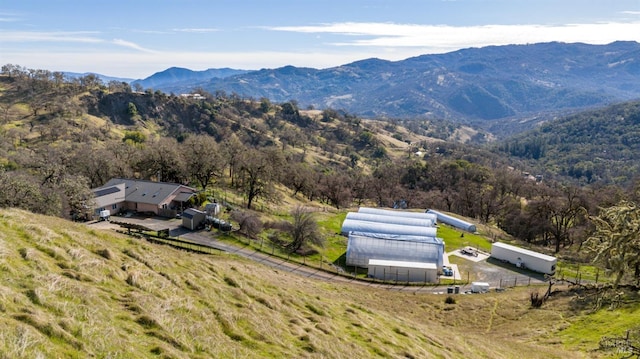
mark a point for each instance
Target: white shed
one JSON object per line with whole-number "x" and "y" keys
{"x": 401, "y": 271}
{"x": 192, "y": 218}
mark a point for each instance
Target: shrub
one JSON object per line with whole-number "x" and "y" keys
{"x": 450, "y": 300}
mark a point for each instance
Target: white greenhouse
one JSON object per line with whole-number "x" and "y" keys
{"x": 396, "y": 213}
{"x": 380, "y": 218}
{"x": 453, "y": 221}
{"x": 397, "y": 237}
{"x": 400, "y": 271}
{"x": 351, "y": 225}
{"x": 361, "y": 248}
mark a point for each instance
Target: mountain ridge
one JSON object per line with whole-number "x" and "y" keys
{"x": 477, "y": 85}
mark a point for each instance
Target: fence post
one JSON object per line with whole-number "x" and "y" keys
{"x": 500, "y": 282}
{"x": 515, "y": 281}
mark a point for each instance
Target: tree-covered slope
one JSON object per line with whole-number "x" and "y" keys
{"x": 599, "y": 145}
{"x": 476, "y": 84}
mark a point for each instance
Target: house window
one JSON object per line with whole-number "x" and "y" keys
{"x": 114, "y": 206}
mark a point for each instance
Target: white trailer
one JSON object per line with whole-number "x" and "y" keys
{"x": 524, "y": 258}
{"x": 479, "y": 287}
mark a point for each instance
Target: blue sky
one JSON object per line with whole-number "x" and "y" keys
{"x": 135, "y": 38}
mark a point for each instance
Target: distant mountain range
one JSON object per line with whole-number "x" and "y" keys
{"x": 177, "y": 79}
{"x": 104, "y": 78}
{"x": 476, "y": 85}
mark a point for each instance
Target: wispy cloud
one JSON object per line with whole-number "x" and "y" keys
{"x": 447, "y": 37}
{"x": 131, "y": 45}
{"x": 87, "y": 37}
{"x": 9, "y": 17}
{"x": 197, "y": 30}
{"x": 631, "y": 12}
{"x": 59, "y": 36}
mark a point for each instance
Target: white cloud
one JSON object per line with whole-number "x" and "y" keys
{"x": 131, "y": 45}
{"x": 59, "y": 36}
{"x": 446, "y": 37}
{"x": 197, "y": 30}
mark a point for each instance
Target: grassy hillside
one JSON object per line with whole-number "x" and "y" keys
{"x": 71, "y": 291}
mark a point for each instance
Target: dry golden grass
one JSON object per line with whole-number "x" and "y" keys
{"x": 69, "y": 291}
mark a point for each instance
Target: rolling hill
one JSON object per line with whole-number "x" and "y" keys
{"x": 71, "y": 291}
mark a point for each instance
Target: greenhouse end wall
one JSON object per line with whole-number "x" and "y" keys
{"x": 402, "y": 271}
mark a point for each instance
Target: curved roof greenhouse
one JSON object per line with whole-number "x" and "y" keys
{"x": 453, "y": 221}
{"x": 389, "y": 212}
{"x": 409, "y": 221}
{"x": 351, "y": 225}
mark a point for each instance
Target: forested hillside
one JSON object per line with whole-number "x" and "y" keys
{"x": 62, "y": 137}
{"x": 475, "y": 85}
{"x": 592, "y": 147}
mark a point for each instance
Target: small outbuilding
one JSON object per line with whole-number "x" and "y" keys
{"x": 193, "y": 219}
{"x": 401, "y": 271}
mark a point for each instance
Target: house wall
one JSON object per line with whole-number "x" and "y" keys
{"x": 144, "y": 207}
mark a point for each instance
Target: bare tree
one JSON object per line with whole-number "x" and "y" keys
{"x": 258, "y": 172}
{"x": 250, "y": 225}
{"x": 304, "y": 230}
{"x": 203, "y": 161}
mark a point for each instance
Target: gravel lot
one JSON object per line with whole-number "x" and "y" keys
{"x": 498, "y": 274}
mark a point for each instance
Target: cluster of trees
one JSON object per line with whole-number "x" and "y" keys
{"x": 593, "y": 146}
{"x": 56, "y": 154}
